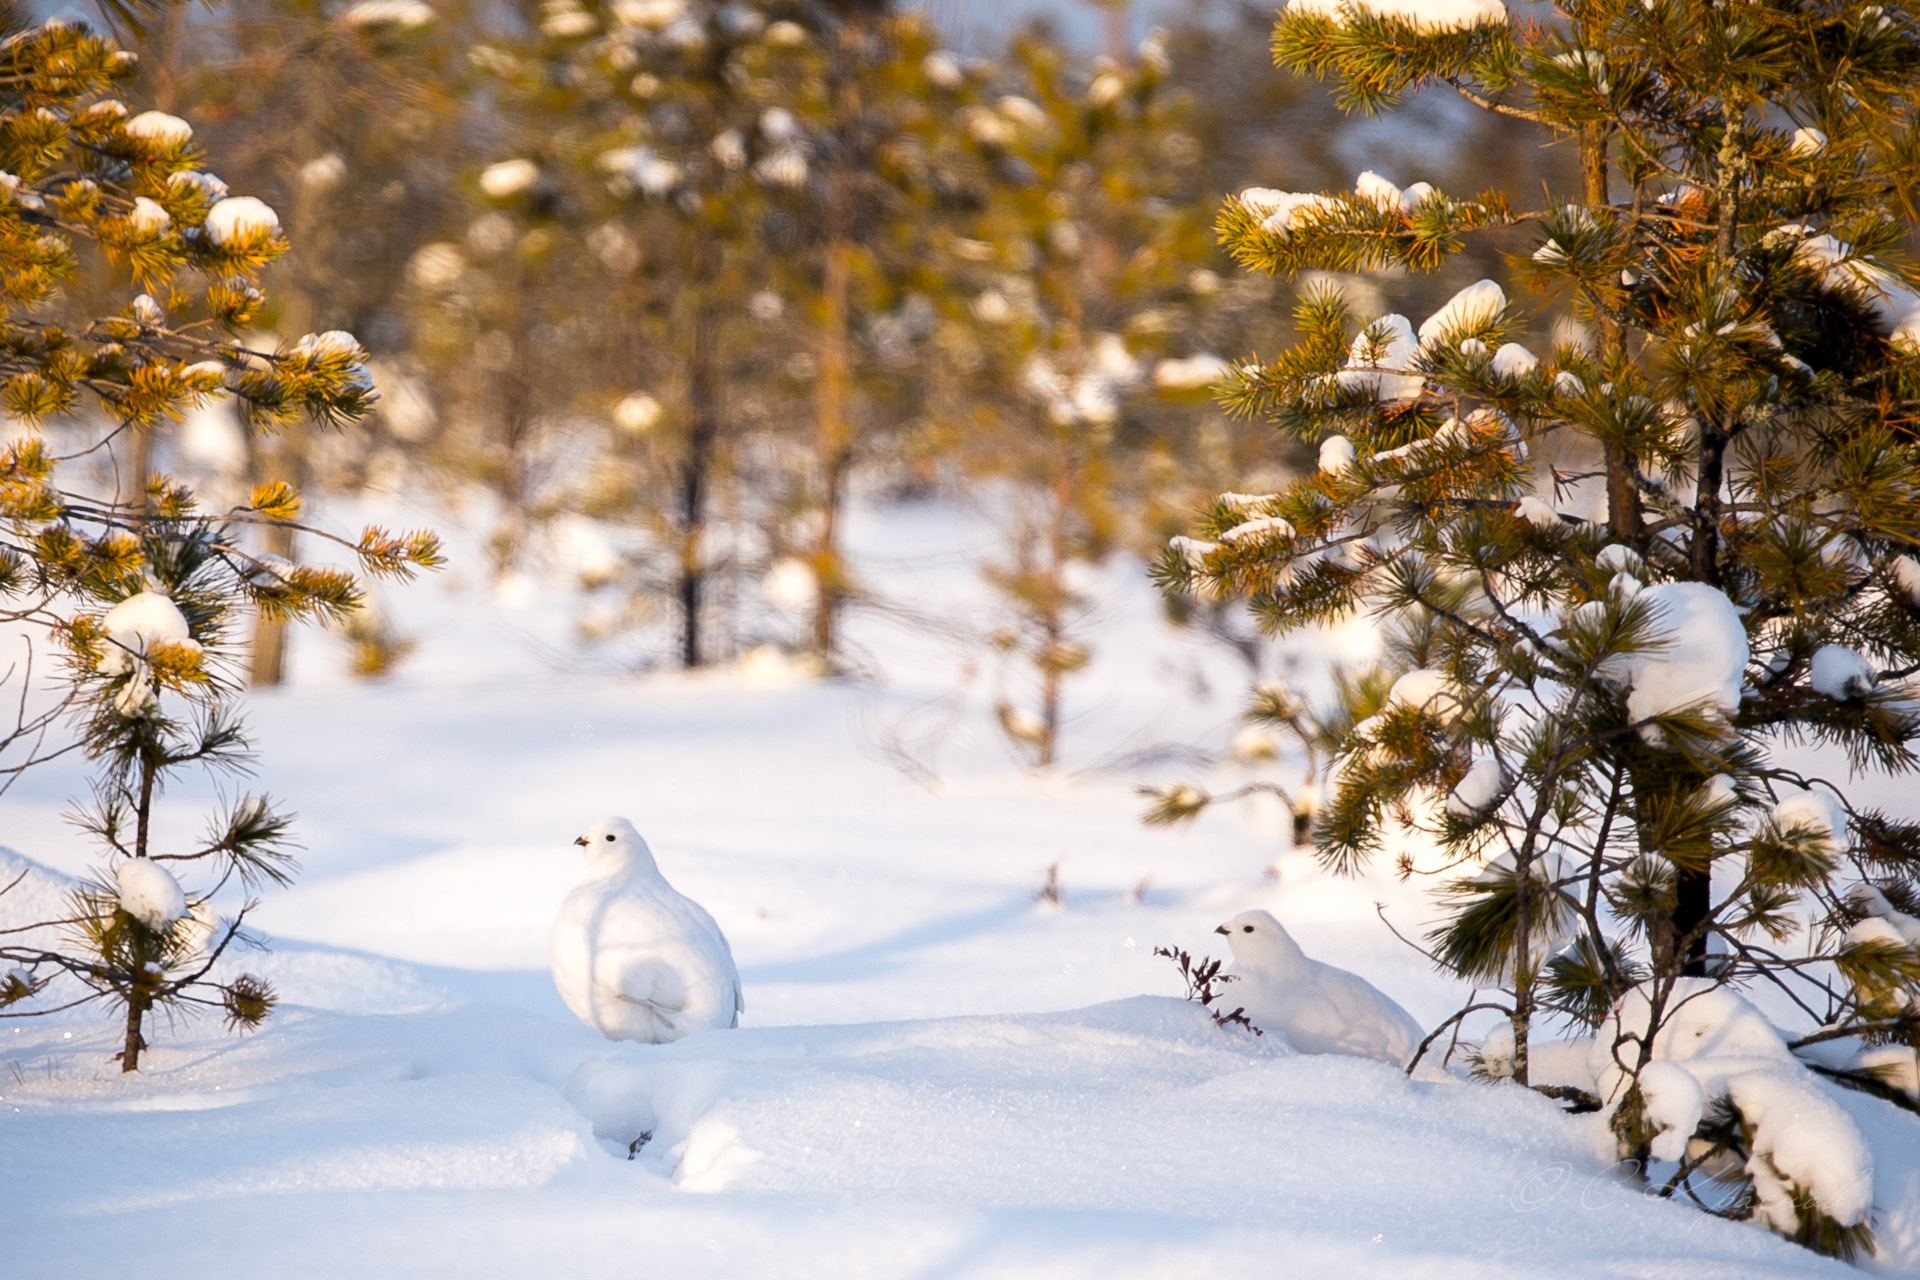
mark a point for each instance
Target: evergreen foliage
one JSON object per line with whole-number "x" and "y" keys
{"x": 1621, "y": 576}
{"x": 140, "y": 592}
{"x": 1088, "y": 263}
{"x": 787, "y": 171}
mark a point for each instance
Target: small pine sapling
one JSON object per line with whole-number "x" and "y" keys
{"x": 141, "y": 592}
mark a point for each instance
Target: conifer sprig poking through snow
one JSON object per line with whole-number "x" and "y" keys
{"x": 140, "y": 590}
{"x": 1584, "y": 716}
{"x": 1200, "y": 977}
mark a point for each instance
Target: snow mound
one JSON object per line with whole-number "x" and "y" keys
{"x": 39, "y": 894}
{"x": 1803, "y": 1143}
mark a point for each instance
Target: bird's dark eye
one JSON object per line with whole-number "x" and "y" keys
{"x": 609, "y": 835}
{"x": 1246, "y": 928}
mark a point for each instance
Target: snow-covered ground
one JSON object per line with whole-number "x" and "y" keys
{"x": 936, "y": 1075}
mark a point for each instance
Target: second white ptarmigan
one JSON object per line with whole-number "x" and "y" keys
{"x": 1320, "y": 1009}
{"x": 633, "y": 957}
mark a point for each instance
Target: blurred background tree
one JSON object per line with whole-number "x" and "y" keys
{"x": 352, "y": 122}
{"x": 680, "y": 281}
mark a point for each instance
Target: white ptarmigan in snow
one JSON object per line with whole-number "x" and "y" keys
{"x": 1320, "y": 1009}
{"x": 634, "y": 958}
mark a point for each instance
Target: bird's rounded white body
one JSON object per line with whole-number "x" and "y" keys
{"x": 632, "y": 957}
{"x": 1320, "y": 1009}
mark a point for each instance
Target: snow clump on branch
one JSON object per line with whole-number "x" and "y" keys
{"x": 1841, "y": 674}
{"x": 1428, "y": 15}
{"x": 1382, "y": 366}
{"x": 238, "y": 217}
{"x": 1473, "y": 308}
{"x": 1280, "y": 211}
{"x": 1896, "y": 307}
{"x": 1336, "y": 455}
{"x": 1371, "y": 186}
{"x": 149, "y": 893}
{"x": 1815, "y": 813}
{"x": 396, "y": 13}
{"x": 1477, "y": 790}
{"x": 158, "y": 126}
{"x": 1514, "y": 361}
{"x": 508, "y": 177}
{"x": 1537, "y": 513}
{"x": 1702, "y": 663}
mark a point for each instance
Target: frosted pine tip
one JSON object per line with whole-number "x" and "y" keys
{"x": 148, "y": 218}
{"x": 240, "y": 217}
{"x": 158, "y": 126}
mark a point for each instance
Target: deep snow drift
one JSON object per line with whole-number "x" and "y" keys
{"x": 935, "y": 1076}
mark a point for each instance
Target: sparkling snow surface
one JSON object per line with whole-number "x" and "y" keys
{"x": 935, "y": 1077}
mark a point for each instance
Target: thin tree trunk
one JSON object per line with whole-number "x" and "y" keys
{"x": 1053, "y": 622}
{"x": 835, "y": 444}
{"x": 267, "y": 666}
{"x": 703, "y": 431}
{"x": 1522, "y": 1021}
{"x": 138, "y": 1001}
{"x": 269, "y": 659}
{"x": 1623, "y": 500}
{"x": 130, "y": 1052}
{"x": 1693, "y": 890}
{"x": 133, "y": 485}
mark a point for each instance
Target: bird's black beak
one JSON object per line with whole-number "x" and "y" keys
{"x": 1221, "y": 929}
{"x": 582, "y": 842}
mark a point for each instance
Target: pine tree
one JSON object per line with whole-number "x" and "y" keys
{"x": 876, "y": 103}
{"x": 1622, "y": 578}
{"x": 139, "y": 592}
{"x": 349, "y": 123}
{"x": 1089, "y": 259}
{"x": 779, "y": 176}
{"x": 661, "y": 123}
